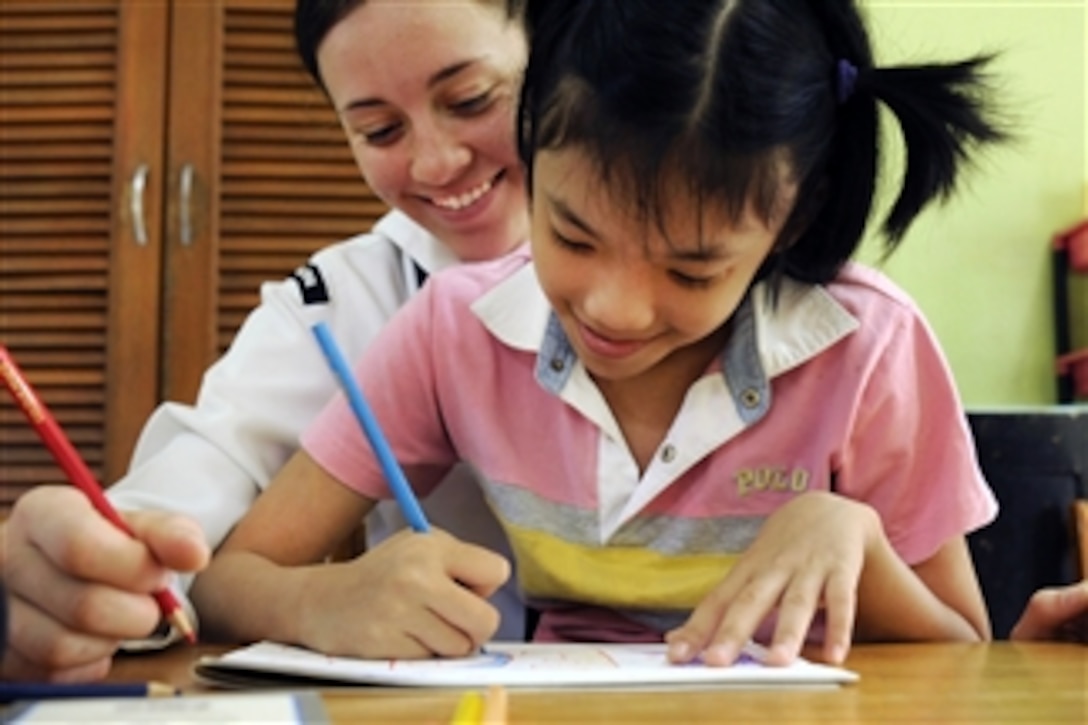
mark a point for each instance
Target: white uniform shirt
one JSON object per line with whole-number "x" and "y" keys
{"x": 211, "y": 460}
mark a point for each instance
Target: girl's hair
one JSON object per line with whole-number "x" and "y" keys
{"x": 735, "y": 97}
{"x": 315, "y": 18}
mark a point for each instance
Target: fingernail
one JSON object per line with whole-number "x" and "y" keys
{"x": 784, "y": 652}
{"x": 720, "y": 654}
{"x": 679, "y": 651}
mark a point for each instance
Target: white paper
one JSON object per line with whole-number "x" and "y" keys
{"x": 257, "y": 708}
{"x": 521, "y": 664}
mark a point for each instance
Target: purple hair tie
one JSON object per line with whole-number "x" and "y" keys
{"x": 846, "y": 79}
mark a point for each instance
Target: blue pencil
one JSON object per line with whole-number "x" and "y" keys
{"x": 406, "y": 498}
{"x": 15, "y": 691}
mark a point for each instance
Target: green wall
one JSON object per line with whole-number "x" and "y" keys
{"x": 979, "y": 266}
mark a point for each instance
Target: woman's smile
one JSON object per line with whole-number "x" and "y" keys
{"x": 465, "y": 199}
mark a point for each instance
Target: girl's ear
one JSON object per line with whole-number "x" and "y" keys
{"x": 793, "y": 249}
{"x": 804, "y": 213}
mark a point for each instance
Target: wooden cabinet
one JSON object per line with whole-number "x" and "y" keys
{"x": 158, "y": 160}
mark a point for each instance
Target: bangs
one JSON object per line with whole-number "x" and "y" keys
{"x": 644, "y": 162}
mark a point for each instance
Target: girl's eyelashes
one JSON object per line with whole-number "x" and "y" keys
{"x": 689, "y": 281}
{"x": 570, "y": 244}
{"x": 683, "y": 279}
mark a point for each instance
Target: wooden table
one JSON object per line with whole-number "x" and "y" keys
{"x": 998, "y": 682}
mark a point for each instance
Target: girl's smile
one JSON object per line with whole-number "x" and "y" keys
{"x": 601, "y": 345}
{"x": 636, "y": 297}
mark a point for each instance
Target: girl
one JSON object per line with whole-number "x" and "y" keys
{"x": 697, "y": 420}
{"x": 426, "y": 92}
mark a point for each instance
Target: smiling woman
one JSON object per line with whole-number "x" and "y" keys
{"x": 432, "y": 132}
{"x": 425, "y": 90}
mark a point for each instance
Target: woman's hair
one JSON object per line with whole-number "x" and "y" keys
{"x": 313, "y": 21}
{"x": 315, "y": 18}
{"x": 736, "y": 97}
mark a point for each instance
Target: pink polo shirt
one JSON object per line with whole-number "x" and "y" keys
{"x": 836, "y": 388}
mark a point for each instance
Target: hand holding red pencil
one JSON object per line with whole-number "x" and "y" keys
{"x": 77, "y": 472}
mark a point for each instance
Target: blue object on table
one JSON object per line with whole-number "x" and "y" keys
{"x": 18, "y": 691}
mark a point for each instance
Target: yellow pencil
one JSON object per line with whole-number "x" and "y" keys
{"x": 469, "y": 709}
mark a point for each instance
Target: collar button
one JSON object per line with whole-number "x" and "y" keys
{"x": 668, "y": 453}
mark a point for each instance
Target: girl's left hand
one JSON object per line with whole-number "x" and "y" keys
{"x": 808, "y": 555}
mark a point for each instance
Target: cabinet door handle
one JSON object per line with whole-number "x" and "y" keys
{"x": 185, "y": 201}
{"x": 137, "y": 187}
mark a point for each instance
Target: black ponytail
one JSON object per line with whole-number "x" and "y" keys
{"x": 722, "y": 92}
{"x": 943, "y": 114}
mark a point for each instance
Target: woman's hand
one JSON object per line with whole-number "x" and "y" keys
{"x": 78, "y": 585}
{"x": 808, "y": 556}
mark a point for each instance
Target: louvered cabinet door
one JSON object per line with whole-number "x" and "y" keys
{"x": 80, "y": 181}
{"x": 260, "y": 175}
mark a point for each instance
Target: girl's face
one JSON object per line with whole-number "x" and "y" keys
{"x": 632, "y": 299}
{"x": 426, "y": 92}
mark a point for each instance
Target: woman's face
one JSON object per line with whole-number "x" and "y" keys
{"x": 426, "y": 92}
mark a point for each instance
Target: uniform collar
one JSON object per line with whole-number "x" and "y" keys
{"x": 767, "y": 340}
{"x": 420, "y": 245}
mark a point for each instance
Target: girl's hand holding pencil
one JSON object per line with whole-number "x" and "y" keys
{"x": 418, "y": 594}
{"x": 437, "y": 585}
{"x": 412, "y": 596}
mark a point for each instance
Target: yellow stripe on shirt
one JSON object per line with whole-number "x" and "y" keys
{"x": 619, "y": 577}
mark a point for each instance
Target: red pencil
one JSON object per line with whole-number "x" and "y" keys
{"x": 78, "y": 473}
